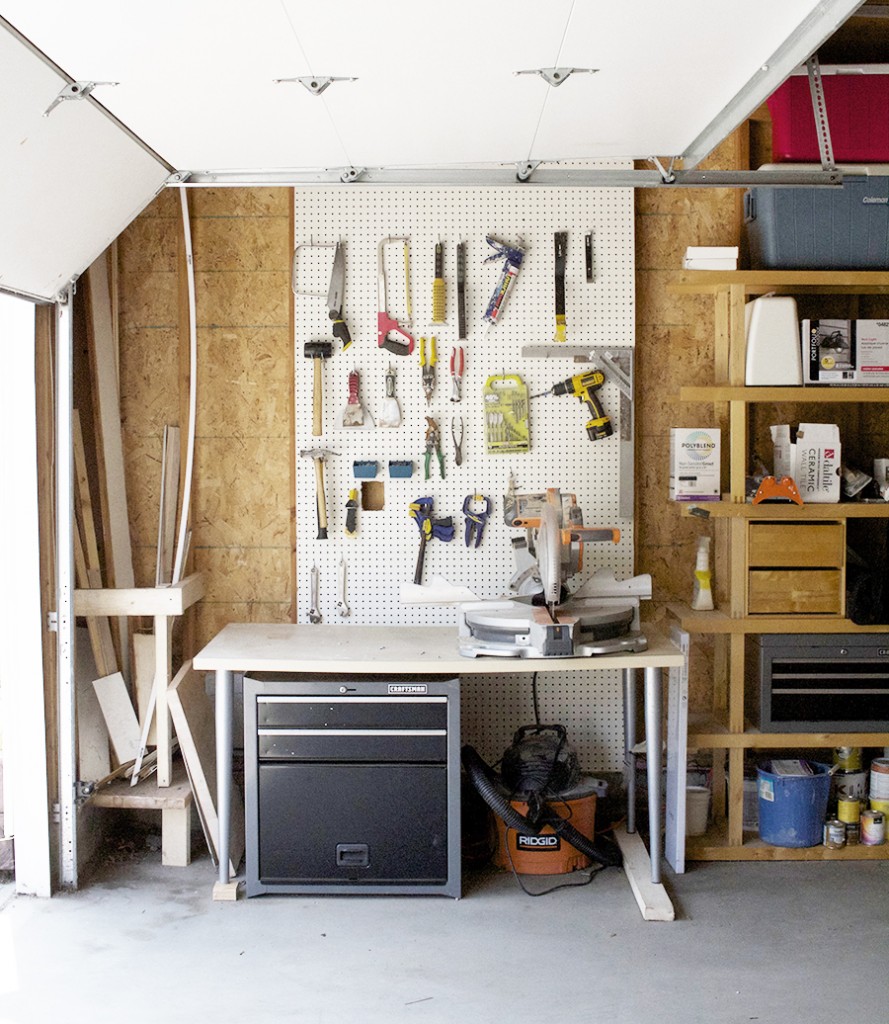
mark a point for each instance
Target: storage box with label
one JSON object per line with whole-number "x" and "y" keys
{"x": 845, "y": 352}
{"x": 694, "y": 464}
{"x": 817, "y": 462}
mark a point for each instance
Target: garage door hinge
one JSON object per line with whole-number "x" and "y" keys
{"x": 52, "y": 622}
{"x": 74, "y": 91}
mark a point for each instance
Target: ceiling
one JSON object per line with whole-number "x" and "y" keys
{"x": 198, "y": 91}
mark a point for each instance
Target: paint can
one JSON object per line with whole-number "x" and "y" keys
{"x": 873, "y": 828}
{"x": 879, "y": 805}
{"x": 849, "y": 809}
{"x": 847, "y": 758}
{"x": 850, "y": 785}
{"x": 853, "y": 833}
{"x": 879, "y": 778}
{"x": 834, "y": 834}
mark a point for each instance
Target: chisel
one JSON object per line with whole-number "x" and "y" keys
{"x": 561, "y": 251}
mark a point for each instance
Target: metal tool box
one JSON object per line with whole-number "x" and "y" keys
{"x": 818, "y": 683}
{"x": 352, "y": 785}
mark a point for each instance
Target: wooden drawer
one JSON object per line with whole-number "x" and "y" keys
{"x": 795, "y": 592}
{"x": 797, "y": 545}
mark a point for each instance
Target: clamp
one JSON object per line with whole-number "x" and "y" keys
{"x": 475, "y": 518}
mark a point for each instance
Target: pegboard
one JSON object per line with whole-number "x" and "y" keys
{"x": 383, "y": 554}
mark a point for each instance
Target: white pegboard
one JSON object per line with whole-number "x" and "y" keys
{"x": 383, "y": 555}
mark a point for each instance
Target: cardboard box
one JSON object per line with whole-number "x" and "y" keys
{"x": 845, "y": 352}
{"x": 694, "y": 464}
{"x": 817, "y": 462}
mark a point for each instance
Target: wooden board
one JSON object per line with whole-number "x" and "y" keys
{"x": 143, "y": 673}
{"x": 169, "y": 500}
{"x": 120, "y": 718}
{"x": 651, "y": 896}
{"x": 93, "y": 752}
{"x": 193, "y": 717}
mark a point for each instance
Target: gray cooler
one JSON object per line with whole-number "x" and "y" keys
{"x": 843, "y": 228}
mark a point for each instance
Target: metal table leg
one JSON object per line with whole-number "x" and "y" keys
{"x": 224, "y": 769}
{"x": 653, "y": 746}
{"x": 629, "y": 743}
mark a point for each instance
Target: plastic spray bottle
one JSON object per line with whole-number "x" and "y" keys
{"x": 702, "y": 596}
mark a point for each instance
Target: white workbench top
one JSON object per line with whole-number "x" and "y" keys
{"x": 276, "y": 647}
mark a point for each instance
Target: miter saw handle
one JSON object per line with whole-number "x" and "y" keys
{"x": 588, "y": 534}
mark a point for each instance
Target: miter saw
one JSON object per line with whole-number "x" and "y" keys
{"x": 540, "y": 619}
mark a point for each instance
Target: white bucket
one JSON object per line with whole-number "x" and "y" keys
{"x": 697, "y": 810}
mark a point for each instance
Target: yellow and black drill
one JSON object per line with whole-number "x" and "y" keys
{"x": 584, "y": 386}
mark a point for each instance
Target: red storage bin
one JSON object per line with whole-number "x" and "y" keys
{"x": 857, "y": 103}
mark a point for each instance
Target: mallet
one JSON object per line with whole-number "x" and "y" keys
{"x": 316, "y": 351}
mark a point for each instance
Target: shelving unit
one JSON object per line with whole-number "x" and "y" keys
{"x": 725, "y": 728}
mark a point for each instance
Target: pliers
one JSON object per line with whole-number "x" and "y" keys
{"x": 475, "y": 518}
{"x": 433, "y": 444}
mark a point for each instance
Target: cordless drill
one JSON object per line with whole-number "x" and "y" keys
{"x": 584, "y": 387}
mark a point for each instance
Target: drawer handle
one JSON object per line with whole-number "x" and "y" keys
{"x": 352, "y": 732}
{"x": 839, "y": 692}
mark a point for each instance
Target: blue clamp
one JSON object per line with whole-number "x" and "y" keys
{"x": 475, "y": 518}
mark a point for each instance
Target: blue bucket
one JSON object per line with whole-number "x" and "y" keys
{"x": 792, "y": 808}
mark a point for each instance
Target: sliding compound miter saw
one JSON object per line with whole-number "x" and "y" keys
{"x": 541, "y": 620}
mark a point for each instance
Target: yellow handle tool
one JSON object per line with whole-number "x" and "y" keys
{"x": 439, "y": 294}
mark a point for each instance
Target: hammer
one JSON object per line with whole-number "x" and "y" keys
{"x": 316, "y": 351}
{"x": 318, "y": 455}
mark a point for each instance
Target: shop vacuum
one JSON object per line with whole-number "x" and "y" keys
{"x": 545, "y": 805}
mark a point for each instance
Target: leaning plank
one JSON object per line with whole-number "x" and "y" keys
{"x": 100, "y": 334}
{"x": 166, "y": 528}
{"x": 123, "y": 726}
{"x": 93, "y": 752}
{"x": 143, "y": 675}
{"x": 86, "y": 554}
{"x": 192, "y": 713}
{"x": 651, "y": 896}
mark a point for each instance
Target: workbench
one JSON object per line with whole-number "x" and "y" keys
{"x": 418, "y": 651}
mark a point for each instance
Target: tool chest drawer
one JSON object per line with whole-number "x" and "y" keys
{"x": 796, "y": 568}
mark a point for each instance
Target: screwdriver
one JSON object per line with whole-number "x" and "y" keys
{"x": 439, "y": 300}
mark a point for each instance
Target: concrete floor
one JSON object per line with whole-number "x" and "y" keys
{"x": 775, "y": 943}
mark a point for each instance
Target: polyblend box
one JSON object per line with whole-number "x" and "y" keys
{"x": 694, "y": 464}
{"x": 845, "y": 352}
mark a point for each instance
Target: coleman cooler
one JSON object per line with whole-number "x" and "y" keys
{"x": 829, "y": 228}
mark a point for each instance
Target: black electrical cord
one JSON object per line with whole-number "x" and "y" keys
{"x": 534, "y": 700}
{"x": 587, "y": 875}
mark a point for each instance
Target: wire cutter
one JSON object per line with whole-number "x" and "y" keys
{"x": 427, "y": 364}
{"x": 458, "y": 444}
{"x": 476, "y": 518}
{"x": 433, "y": 444}
{"x": 457, "y": 362}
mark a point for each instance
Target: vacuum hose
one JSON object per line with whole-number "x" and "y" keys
{"x": 485, "y": 781}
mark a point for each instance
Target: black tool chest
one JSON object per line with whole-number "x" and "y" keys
{"x": 352, "y": 784}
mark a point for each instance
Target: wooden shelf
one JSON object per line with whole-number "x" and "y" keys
{"x": 820, "y": 393}
{"x": 711, "y": 733}
{"x": 714, "y": 845}
{"x": 826, "y": 282}
{"x": 717, "y": 622}
{"x": 726, "y": 509}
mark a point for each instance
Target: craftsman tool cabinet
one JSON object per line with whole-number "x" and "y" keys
{"x": 352, "y": 785}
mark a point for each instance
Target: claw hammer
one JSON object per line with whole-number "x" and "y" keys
{"x": 318, "y": 455}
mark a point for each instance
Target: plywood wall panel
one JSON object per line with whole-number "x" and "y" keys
{"x": 148, "y": 299}
{"x": 149, "y": 244}
{"x": 211, "y": 616}
{"x": 241, "y": 202}
{"x": 244, "y": 575}
{"x": 241, "y": 244}
{"x": 149, "y": 379}
{"x": 248, "y": 373}
{"x": 243, "y": 299}
{"x": 241, "y": 496}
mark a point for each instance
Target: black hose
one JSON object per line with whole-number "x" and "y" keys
{"x": 485, "y": 781}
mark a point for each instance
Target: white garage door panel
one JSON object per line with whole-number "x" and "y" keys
{"x": 71, "y": 182}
